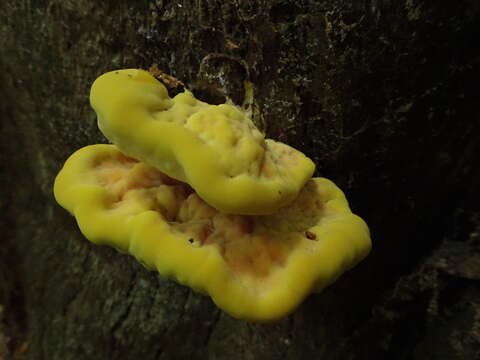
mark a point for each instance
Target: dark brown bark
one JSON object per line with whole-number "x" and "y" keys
{"x": 383, "y": 95}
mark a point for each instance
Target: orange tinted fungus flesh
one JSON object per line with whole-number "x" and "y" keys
{"x": 257, "y": 268}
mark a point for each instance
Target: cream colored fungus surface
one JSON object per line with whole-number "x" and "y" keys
{"x": 250, "y": 245}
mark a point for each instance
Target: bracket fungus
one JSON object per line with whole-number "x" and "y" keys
{"x": 254, "y": 267}
{"x": 197, "y": 193}
{"x": 216, "y": 149}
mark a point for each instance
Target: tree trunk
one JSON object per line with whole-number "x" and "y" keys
{"x": 382, "y": 95}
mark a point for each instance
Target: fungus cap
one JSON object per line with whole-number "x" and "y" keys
{"x": 257, "y": 268}
{"x": 215, "y": 148}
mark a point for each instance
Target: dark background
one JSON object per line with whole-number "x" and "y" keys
{"x": 382, "y": 94}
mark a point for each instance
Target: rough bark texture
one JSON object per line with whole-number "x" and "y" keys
{"x": 382, "y": 94}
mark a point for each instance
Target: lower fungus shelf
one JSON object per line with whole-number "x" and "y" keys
{"x": 254, "y": 267}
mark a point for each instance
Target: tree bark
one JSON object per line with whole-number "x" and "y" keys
{"x": 382, "y": 95}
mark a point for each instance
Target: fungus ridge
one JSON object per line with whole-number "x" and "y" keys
{"x": 216, "y": 149}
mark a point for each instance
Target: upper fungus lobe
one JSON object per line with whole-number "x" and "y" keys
{"x": 216, "y": 149}
{"x": 254, "y": 267}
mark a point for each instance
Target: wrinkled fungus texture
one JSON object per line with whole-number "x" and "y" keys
{"x": 215, "y": 148}
{"x": 257, "y": 268}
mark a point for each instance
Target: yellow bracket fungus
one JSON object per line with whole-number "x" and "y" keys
{"x": 254, "y": 267}
{"x": 216, "y": 149}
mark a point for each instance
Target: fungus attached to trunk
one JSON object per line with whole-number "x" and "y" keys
{"x": 254, "y": 267}
{"x": 216, "y": 149}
